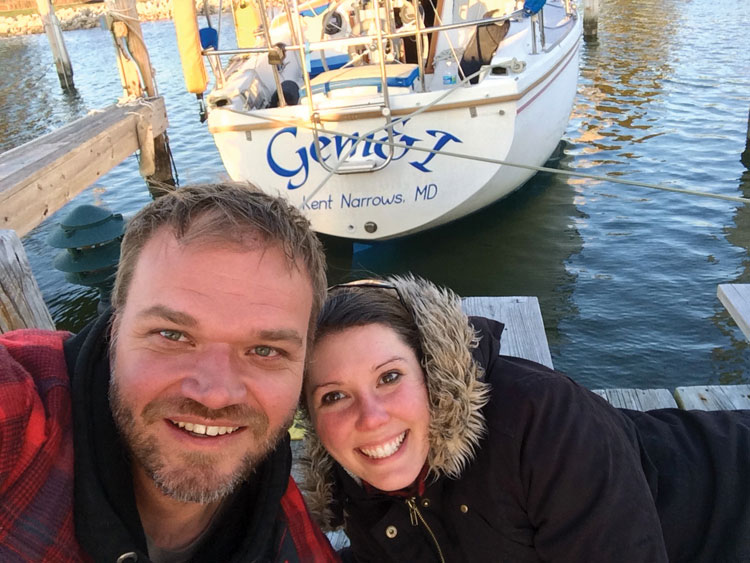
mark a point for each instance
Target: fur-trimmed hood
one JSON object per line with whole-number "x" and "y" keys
{"x": 455, "y": 388}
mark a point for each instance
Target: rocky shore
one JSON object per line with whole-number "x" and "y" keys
{"x": 84, "y": 17}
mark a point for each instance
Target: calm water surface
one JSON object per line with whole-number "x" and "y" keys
{"x": 626, "y": 277}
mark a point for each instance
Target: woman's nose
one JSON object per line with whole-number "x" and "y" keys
{"x": 372, "y": 413}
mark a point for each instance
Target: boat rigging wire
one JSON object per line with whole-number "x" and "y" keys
{"x": 570, "y": 173}
{"x": 313, "y": 125}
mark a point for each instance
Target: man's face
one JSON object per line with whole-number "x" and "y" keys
{"x": 208, "y": 362}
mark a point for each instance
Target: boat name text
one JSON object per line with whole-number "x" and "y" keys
{"x": 336, "y": 145}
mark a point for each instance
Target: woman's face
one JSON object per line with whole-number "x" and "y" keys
{"x": 368, "y": 401}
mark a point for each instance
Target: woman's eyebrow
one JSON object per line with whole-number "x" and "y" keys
{"x": 388, "y": 361}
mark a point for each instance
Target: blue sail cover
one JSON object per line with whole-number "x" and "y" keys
{"x": 532, "y": 6}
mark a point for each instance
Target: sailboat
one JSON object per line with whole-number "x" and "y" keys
{"x": 382, "y": 118}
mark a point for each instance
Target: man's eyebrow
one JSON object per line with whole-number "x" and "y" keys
{"x": 282, "y": 334}
{"x": 168, "y": 314}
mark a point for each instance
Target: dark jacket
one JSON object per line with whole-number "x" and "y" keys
{"x": 557, "y": 474}
{"x": 266, "y": 519}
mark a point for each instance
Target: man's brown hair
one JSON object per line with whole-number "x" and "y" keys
{"x": 234, "y": 213}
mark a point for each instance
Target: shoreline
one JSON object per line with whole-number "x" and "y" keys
{"x": 87, "y": 17}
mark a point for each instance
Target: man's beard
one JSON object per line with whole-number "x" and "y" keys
{"x": 192, "y": 475}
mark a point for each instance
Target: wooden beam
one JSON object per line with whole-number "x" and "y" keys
{"x": 736, "y": 298}
{"x": 155, "y": 163}
{"x": 38, "y": 178}
{"x": 638, "y": 399}
{"x": 21, "y": 302}
{"x": 713, "y": 397}
{"x": 524, "y": 335}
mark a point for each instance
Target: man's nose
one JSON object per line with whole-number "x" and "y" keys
{"x": 371, "y": 413}
{"x": 216, "y": 379}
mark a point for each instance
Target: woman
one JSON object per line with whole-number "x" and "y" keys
{"x": 432, "y": 447}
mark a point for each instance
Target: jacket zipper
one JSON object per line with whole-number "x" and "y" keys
{"x": 416, "y": 517}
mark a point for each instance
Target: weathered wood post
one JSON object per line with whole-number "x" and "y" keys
{"x": 156, "y": 164}
{"x": 54, "y": 36}
{"x": 21, "y": 303}
{"x": 590, "y": 19}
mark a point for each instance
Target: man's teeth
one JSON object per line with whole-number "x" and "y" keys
{"x": 384, "y": 450}
{"x": 205, "y": 430}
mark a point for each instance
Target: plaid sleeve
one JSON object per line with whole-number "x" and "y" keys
{"x": 312, "y": 545}
{"x": 36, "y": 449}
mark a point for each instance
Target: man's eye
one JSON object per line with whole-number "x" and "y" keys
{"x": 331, "y": 397}
{"x": 265, "y": 351}
{"x": 390, "y": 377}
{"x": 173, "y": 335}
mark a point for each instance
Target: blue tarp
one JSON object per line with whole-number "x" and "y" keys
{"x": 533, "y": 6}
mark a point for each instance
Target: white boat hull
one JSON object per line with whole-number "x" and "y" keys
{"x": 518, "y": 120}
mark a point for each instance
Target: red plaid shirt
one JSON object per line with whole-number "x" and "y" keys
{"x": 36, "y": 459}
{"x": 36, "y": 449}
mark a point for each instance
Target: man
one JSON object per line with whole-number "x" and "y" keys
{"x": 176, "y": 448}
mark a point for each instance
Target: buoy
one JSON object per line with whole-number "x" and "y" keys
{"x": 189, "y": 45}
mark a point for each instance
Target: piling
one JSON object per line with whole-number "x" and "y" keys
{"x": 590, "y": 19}
{"x": 54, "y": 36}
{"x": 21, "y": 303}
{"x": 137, "y": 77}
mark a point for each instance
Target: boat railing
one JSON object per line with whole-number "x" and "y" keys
{"x": 380, "y": 38}
{"x": 364, "y": 39}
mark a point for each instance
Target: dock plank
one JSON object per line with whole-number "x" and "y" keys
{"x": 736, "y": 298}
{"x": 39, "y": 177}
{"x": 713, "y": 397}
{"x": 638, "y": 399}
{"x": 524, "y": 335}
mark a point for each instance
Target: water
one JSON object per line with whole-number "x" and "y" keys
{"x": 626, "y": 277}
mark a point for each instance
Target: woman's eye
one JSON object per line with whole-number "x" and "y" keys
{"x": 390, "y": 377}
{"x": 331, "y": 397}
{"x": 173, "y": 335}
{"x": 265, "y": 351}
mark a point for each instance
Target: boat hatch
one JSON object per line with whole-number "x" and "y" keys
{"x": 364, "y": 80}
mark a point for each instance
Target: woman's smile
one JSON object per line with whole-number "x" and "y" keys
{"x": 385, "y": 450}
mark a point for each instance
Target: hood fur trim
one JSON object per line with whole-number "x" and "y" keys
{"x": 455, "y": 389}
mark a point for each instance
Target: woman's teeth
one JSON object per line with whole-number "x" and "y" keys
{"x": 384, "y": 450}
{"x": 205, "y": 430}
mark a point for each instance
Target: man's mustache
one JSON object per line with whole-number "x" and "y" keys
{"x": 234, "y": 415}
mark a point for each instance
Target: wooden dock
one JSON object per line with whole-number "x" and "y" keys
{"x": 39, "y": 177}
{"x": 524, "y": 337}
